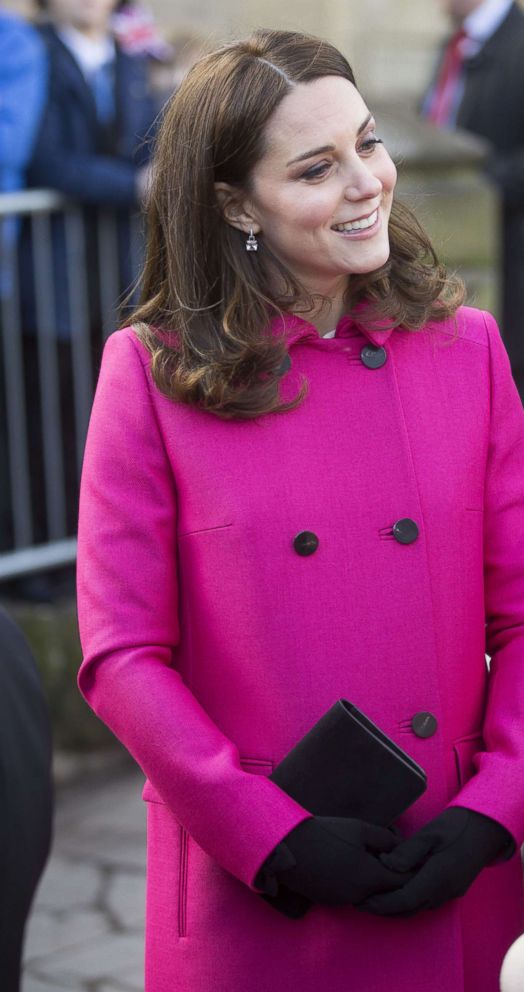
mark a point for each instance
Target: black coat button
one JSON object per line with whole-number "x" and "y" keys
{"x": 405, "y": 531}
{"x": 424, "y": 724}
{"x": 373, "y": 357}
{"x": 305, "y": 543}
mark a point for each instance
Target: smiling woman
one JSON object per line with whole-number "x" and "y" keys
{"x": 303, "y": 482}
{"x": 271, "y": 137}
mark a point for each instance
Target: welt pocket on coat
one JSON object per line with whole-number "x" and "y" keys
{"x": 257, "y": 766}
{"x": 465, "y": 748}
{"x": 180, "y": 853}
{"x": 204, "y": 530}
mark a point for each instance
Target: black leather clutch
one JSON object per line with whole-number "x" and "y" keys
{"x": 346, "y": 766}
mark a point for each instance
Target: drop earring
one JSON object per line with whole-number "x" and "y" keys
{"x": 251, "y": 242}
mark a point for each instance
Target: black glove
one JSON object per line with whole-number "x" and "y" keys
{"x": 448, "y": 852}
{"x": 331, "y": 860}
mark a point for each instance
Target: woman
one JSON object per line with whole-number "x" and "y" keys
{"x": 304, "y": 481}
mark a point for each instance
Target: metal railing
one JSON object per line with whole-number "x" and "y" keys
{"x": 64, "y": 269}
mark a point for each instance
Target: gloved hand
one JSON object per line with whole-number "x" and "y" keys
{"x": 448, "y": 854}
{"x": 335, "y": 860}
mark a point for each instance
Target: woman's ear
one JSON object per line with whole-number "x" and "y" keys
{"x": 235, "y": 208}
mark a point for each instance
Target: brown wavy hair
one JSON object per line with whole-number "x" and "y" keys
{"x": 198, "y": 280}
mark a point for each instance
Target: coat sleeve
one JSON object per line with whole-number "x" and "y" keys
{"x": 127, "y": 609}
{"x": 496, "y": 790}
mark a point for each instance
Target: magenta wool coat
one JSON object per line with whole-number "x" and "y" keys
{"x": 211, "y": 645}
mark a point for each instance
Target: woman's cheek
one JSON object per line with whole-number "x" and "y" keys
{"x": 390, "y": 179}
{"x": 315, "y": 212}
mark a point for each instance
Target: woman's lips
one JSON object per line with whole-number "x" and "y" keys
{"x": 361, "y": 234}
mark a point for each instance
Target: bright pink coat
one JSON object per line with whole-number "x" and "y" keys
{"x": 211, "y": 646}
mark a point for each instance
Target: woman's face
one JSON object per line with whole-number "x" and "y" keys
{"x": 321, "y": 194}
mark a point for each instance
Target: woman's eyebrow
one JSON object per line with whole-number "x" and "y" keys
{"x": 326, "y": 148}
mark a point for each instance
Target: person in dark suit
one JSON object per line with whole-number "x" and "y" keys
{"x": 92, "y": 146}
{"x": 93, "y": 142}
{"x": 479, "y": 86}
{"x": 25, "y": 794}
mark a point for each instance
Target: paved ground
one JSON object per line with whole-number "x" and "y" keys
{"x": 85, "y": 933}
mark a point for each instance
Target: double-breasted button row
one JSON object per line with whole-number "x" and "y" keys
{"x": 405, "y": 531}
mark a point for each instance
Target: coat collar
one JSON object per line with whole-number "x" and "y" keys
{"x": 295, "y": 328}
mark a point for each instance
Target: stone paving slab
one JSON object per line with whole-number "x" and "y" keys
{"x": 67, "y": 885}
{"x": 125, "y": 900}
{"x": 48, "y": 933}
{"x": 30, "y": 984}
{"x": 93, "y": 961}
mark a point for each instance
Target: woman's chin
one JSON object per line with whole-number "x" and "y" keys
{"x": 369, "y": 262}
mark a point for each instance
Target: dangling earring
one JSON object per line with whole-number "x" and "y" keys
{"x": 251, "y": 242}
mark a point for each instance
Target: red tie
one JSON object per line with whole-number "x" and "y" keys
{"x": 445, "y": 90}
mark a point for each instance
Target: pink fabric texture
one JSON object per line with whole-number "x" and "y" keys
{"x": 211, "y": 646}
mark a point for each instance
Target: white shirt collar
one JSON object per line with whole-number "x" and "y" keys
{"x": 330, "y": 334}
{"x": 89, "y": 54}
{"x": 484, "y": 21}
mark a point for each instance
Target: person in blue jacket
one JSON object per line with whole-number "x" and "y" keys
{"x": 23, "y": 89}
{"x": 23, "y": 84}
{"x": 92, "y": 141}
{"x": 94, "y": 146}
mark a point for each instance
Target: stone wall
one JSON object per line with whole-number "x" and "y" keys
{"x": 390, "y": 44}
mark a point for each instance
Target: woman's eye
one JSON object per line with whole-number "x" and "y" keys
{"x": 317, "y": 171}
{"x": 370, "y": 144}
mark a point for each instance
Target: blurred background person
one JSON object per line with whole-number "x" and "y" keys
{"x": 23, "y": 82}
{"x": 479, "y": 86}
{"x": 23, "y": 87}
{"x": 137, "y": 32}
{"x": 92, "y": 145}
{"x": 26, "y": 794}
{"x": 170, "y": 59}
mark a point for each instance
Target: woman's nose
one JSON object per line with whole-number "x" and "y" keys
{"x": 362, "y": 183}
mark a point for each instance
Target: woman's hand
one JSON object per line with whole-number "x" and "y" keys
{"x": 448, "y": 854}
{"x": 336, "y": 860}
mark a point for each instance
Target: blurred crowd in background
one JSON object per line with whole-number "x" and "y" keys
{"x": 82, "y": 89}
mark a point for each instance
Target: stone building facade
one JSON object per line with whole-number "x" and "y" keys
{"x": 390, "y": 43}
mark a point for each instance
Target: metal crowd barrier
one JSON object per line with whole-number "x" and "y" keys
{"x": 30, "y": 214}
